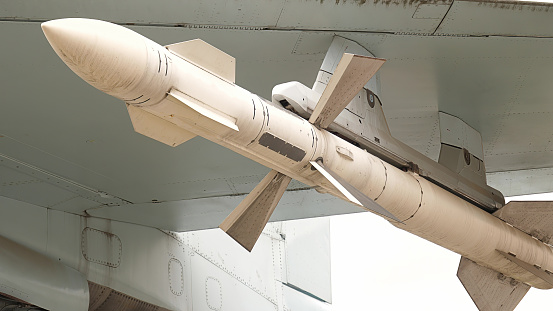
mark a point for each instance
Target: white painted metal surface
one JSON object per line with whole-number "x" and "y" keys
{"x": 247, "y": 220}
{"x": 206, "y": 56}
{"x": 157, "y": 128}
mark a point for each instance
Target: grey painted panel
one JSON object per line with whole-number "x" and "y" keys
{"x": 497, "y": 85}
{"x": 388, "y": 16}
{"x": 145, "y": 254}
{"x": 189, "y": 215}
{"x": 211, "y": 12}
{"x": 64, "y": 237}
{"x": 350, "y": 15}
{"x": 31, "y": 190}
{"x": 214, "y": 289}
{"x": 309, "y": 273}
{"x": 143, "y": 271}
{"x": 522, "y": 182}
{"x": 505, "y": 18}
{"x": 37, "y": 279}
{"x": 30, "y": 184}
{"x": 33, "y": 234}
{"x": 256, "y": 270}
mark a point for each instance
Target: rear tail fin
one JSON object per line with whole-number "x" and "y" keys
{"x": 534, "y": 218}
{"x": 489, "y": 289}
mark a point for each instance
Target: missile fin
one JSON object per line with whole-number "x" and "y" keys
{"x": 545, "y": 275}
{"x": 203, "y": 109}
{"x": 534, "y": 218}
{"x": 489, "y": 289}
{"x": 246, "y": 222}
{"x": 206, "y": 56}
{"x": 157, "y": 128}
{"x": 351, "y": 74}
{"x": 351, "y": 193}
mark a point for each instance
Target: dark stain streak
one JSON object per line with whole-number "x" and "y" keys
{"x": 264, "y": 115}
{"x": 166, "y": 64}
{"x": 159, "y": 66}
{"x": 404, "y": 3}
{"x": 142, "y": 102}
{"x": 131, "y": 100}
{"x": 515, "y": 5}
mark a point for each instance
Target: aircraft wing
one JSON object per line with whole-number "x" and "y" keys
{"x": 66, "y": 146}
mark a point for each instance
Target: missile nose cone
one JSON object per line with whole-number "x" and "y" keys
{"x": 53, "y": 29}
{"x": 110, "y": 57}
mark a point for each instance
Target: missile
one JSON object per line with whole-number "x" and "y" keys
{"x": 176, "y": 92}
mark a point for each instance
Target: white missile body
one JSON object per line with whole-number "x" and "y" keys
{"x": 172, "y": 95}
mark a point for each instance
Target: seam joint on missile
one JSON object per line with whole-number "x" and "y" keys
{"x": 385, "y": 180}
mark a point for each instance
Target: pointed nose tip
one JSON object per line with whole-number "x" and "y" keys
{"x": 49, "y": 26}
{"x": 67, "y": 33}
{"x": 57, "y": 32}
{"x": 108, "y": 56}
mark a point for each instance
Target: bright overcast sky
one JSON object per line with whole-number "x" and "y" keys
{"x": 376, "y": 266}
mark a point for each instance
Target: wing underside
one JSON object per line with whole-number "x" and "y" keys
{"x": 66, "y": 146}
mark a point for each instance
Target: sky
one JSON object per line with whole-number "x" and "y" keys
{"x": 376, "y": 266}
